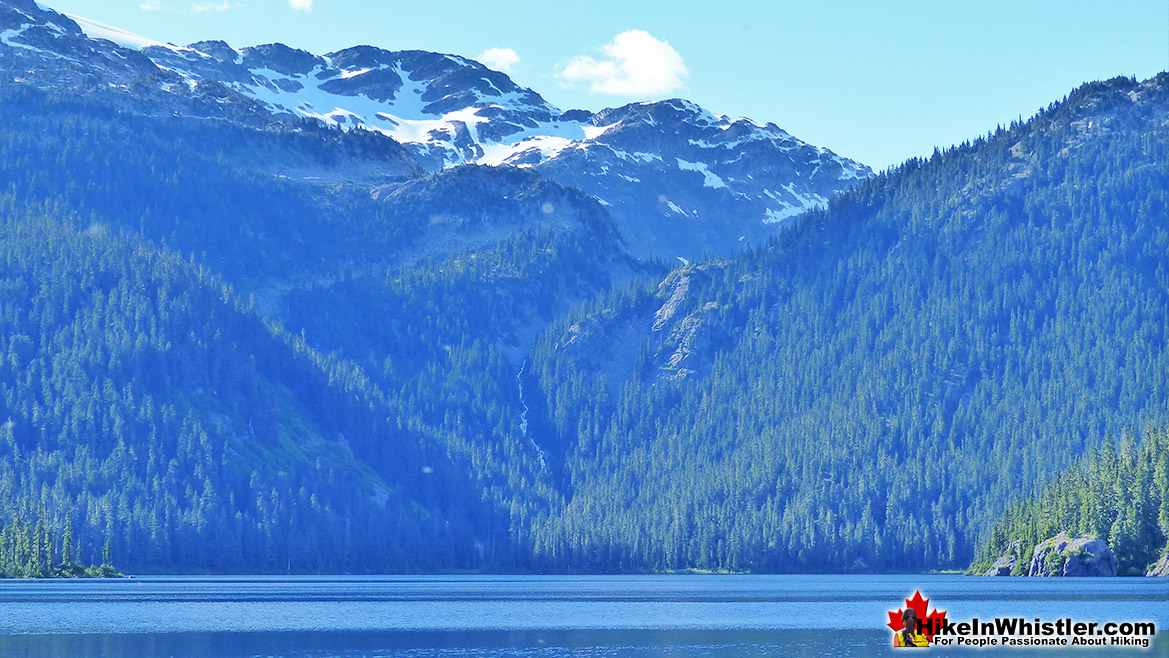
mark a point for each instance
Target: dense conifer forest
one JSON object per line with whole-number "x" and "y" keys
{"x": 147, "y": 407}
{"x": 1120, "y": 495}
{"x": 873, "y": 389}
{"x": 274, "y": 348}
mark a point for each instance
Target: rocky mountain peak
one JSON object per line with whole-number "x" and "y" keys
{"x": 678, "y": 179}
{"x": 218, "y": 50}
{"x": 281, "y": 59}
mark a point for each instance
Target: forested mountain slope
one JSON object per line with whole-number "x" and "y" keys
{"x": 424, "y": 291}
{"x": 871, "y": 390}
{"x": 145, "y": 404}
{"x": 230, "y": 340}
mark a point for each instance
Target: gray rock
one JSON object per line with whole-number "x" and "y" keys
{"x": 282, "y": 59}
{"x": 1002, "y": 566}
{"x": 1160, "y": 568}
{"x": 1072, "y": 556}
{"x": 380, "y": 85}
{"x": 1005, "y": 565}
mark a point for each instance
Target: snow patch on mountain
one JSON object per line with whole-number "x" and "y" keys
{"x": 674, "y": 208}
{"x": 7, "y": 35}
{"x": 710, "y": 179}
{"x": 527, "y": 130}
{"x": 647, "y": 162}
{"x": 772, "y": 216}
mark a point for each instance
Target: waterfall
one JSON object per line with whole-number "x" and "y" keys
{"x": 519, "y": 380}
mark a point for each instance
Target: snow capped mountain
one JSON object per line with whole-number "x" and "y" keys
{"x": 681, "y": 181}
{"x": 677, "y": 179}
{"x": 445, "y": 108}
{"x": 39, "y": 46}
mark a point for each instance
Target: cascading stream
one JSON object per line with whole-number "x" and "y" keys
{"x": 519, "y": 380}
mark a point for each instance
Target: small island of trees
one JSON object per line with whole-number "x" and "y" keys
{"x": 29, "y": 550}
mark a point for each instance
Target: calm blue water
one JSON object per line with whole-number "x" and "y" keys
{"x": 535, "y": 616}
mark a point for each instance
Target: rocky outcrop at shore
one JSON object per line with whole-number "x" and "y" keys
{"x": 1160, "y": 568}
{"x": 1072, "y": 556}
{"x": 1005, "y": 565}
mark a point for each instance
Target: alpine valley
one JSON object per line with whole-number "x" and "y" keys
{"x": 263, "y": 310}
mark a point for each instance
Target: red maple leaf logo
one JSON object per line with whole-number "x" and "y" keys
{"x": 929, "y": 624}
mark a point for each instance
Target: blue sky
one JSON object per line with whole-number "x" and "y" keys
{"x": 875, "y": 81}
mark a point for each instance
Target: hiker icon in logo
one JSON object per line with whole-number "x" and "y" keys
{"x": 912, "y": 627}
{"x": 909, "y": 636}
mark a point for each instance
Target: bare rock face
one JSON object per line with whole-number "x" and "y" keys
{"x": 1002, "y": 566}
{"x": 1160, "y": 568}
{"x": 1005, "y": 565}
{"x": 1072, "y": 556}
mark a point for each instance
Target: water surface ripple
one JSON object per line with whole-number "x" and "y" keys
{"x": 533, "y": 616}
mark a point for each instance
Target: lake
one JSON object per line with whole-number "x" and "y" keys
{"x": 536, "y": 616}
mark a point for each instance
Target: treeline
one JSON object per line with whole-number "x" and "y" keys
{"x": 377, "y": 419}
{"x": 1120, "y": 496}
{"x": 35, "y": 551}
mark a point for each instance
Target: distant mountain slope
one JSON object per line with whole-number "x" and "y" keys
{"x": 872, "y": 390}
{"x": 316, "y": 202}
{"x": 678, "y": 180}
{"x": 422, "y": 293}
{"x": 412, "y": 283}
{"x": 299, "y": 195}
{"x": 143, "y": 402}
{"x": 42, "y": 49}
{"x": 225, "y": 324}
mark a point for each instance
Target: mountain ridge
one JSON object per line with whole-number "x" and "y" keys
{"x": 449, "y": 110}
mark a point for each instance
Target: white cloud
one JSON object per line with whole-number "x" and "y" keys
{"x": 155, "y": 5}
{"x": 300, "y": 5}
{"x": 213, "y": 7}
{"x": 635, "y": 64}
{"x": 500, "y": 59}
